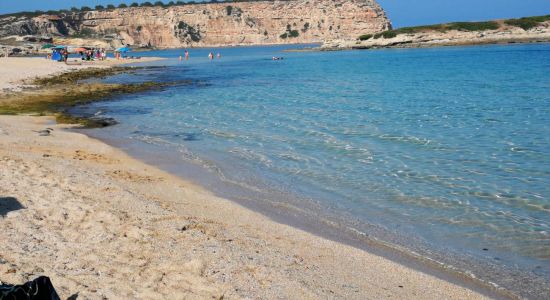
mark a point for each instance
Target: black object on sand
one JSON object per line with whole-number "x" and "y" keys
{"x": 39, "y": 289}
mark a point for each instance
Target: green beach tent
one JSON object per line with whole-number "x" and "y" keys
{"x": 48, "y": 46}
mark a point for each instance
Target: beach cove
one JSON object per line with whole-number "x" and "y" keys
{"x": 101, "y": 224}
{"x": 408, "y": 147}
{"x": 189, "y": 136}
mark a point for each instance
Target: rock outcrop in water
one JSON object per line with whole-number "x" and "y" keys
{"x": 239, "y": 23}
{"x": 525, "y": 30}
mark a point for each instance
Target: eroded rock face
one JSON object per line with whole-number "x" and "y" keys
{"x": 244, "y": 23}
{"x": 21, "y": 26}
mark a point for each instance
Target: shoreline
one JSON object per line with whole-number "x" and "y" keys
{"x": 318, "y": 222}
{"x": 424, "y": 38}
{"x": 426, "y": 46}
{"x": 25, "y": 123}
{"x": 72, "y": 208}
{"x": 16, "y": 71}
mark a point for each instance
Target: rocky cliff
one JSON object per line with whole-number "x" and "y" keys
{"x": 238, "y": 23}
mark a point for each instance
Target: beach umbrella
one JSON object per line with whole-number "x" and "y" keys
{"x": 80, "y": 49}
{"x": 123, "y": 49}
{"x": 48, "y": 46}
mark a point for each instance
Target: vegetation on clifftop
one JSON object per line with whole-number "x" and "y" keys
{"x": 109, "y": 7}
{"x": 528, "y": 22}
{"x": 524, "y": 23}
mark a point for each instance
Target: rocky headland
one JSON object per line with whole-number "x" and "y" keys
{"x": 524, "y": 30}
{"x": 198, "y": 24}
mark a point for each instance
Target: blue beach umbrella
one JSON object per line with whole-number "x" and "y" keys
{"x": 123, "y": 49}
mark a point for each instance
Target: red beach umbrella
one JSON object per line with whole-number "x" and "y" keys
{"x": 76, "y": 50}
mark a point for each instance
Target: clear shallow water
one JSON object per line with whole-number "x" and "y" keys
{"x": 450, "y": 146}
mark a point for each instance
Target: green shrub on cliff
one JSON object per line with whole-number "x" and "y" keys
{"x": 186, "y": 30}
{"x": 539, "y": 19}
{"x": 290, "y": 33}
{"x": 473, "y": 26}
{"x": 365, "y": 37}
{"x": 522, "y": 23}
{"x": 527, "y": 23}
{"x": 386, "y": 34}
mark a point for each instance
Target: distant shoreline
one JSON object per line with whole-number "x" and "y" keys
{"x": 515, "y": 31}
{"x": 422, "y": 45}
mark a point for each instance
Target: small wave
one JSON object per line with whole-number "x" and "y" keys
{"x": 188, "y": 137}
{"x": 222, "y": 134}
{"x": 99, "y": 112}
{"x": 293, "y": 157}
{"x": 152, "y": 140}
{"x": 251, "y": 155}
{"x": 406, "y": 139}
{"x": 522, "y": 150}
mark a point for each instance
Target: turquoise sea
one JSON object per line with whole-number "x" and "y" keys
{"x": 443, "y": 151}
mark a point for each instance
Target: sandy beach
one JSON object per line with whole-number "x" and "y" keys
{"x": 101, "y": 224}
{"x": 15, "y": 70}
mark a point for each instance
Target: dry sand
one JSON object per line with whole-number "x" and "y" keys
{"x": 14, "y": 70}
{"x": 102, "y": 224}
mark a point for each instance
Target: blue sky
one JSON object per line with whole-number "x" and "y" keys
{"x": 401, "y": 12}
{"x": 423, "y": 12}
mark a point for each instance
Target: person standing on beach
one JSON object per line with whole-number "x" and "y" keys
{"x": 65, "y": 55}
